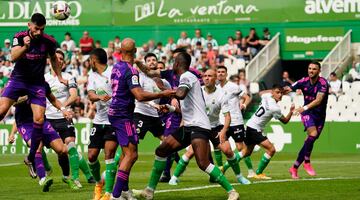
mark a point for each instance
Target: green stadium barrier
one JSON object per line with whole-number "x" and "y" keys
{"x": 337, "y": 137}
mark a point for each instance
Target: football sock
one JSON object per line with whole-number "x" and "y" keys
{"x": 218, "y": 157}
{"x": 238, "y": 158}
{"x": 39, "y": 165}
{"x": 169, "y": 162}
{"x": 248, "y": 162}
{"x": 110, "y": 175}
{"x": 233, "y": 162}
{"x": 74, "y": 160}
{"x": 158, "y": 168}
{"x": 309, "y": 144}
{"x": 216, "y": 174}
{"x": 83, "y": 165}
{"x": 118, "y": 155}
{"x": 95, "y": 170}
{"x": 36, "y": 137}
{"x": 265, "y": 159}
{"x": 63, "y": 161}
{"x": 45, "y": 160}
{"x": 181, "y": 166}
{"x": 122, "y": 180}
{"x": 300, "y": 157}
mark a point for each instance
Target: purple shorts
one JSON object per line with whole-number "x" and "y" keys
{"x": 15, "y": 89}
{"x": 49, "y": 133}
{"x": 310, "y": 120}
{"x": 125, "y": 131}
{"x": 172, "y": 123}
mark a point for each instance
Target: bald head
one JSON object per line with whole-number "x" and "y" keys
{"x": 209, "y": 78}
{"x": 128, "y": 46}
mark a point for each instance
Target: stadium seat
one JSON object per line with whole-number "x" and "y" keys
{"x": 332, "y": 100}
{"x": 345, "y": 86}
{"x": 345, "y": 99}
{"x": 227, "y": 63}
{"x": 355, "y": 86}
{"x": 239, "y": 64}
{"x": 254, "y": 88}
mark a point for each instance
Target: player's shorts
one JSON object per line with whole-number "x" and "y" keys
{"x": 184, "y": 135}
{"x": 311, "y": 120}
{"x": 64, "y": 127}
{"x": 146, "y": 123}
{"x": 15, "y": 89}
{"x": 49, "y": 134}
{"x": 125, "y": 131}
{"x": 215, "y": 140}
{"x": 99, "y": 134}
{"x": 172, "y": 123}
{"x": 237, "y": 133}
{"x": 254, "y": 136}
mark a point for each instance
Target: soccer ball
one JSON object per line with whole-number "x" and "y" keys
{"x": 61, "y": 10}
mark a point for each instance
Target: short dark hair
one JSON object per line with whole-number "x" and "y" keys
{"x": 179, "y": 50}
{"x": 38, "y": 19}
{"x": 150, "y": 55}
{"x": 333, "y": 74}
{"x": 100, "y": 54}
{"x": 59, "y": 51}
{"x": 222, "y": 67}
{"x": 277, "y": 86}
{"x": 159, "y": 44}
{"x": 233, "y": 77}
{"x": 68, "y": 34}
{"x": 184, "y": 60}
{"x": 317, "y": 63}
{"x": 161, "y": 62}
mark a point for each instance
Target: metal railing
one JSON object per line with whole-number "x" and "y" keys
{"x": 262, "y": 60}
{"x": 339, "y": 54}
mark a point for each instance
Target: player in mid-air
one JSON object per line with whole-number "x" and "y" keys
{"x": 50, "y": 138}
{"x": 216, "y": 104}
{"x": 66, "y": 94}
{"x": 125, "y": 89}
{"x": 237, "y": 130}
{"x": 30, "y": 49}
{"x": 102, "y": 135}
{"x": 267, "y": 110}
{"x": 196, "y": 131}
{"x": 315, "y": 90}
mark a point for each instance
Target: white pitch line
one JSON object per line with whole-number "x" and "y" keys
{"x": 9, "y": 164}
{"x": 257, "y": 182}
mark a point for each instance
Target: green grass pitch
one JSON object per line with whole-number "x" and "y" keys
{"x": 338, "y": 178}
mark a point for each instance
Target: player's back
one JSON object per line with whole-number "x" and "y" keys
{"x": 193, "y": 108}
{"x": 31, "y": 67}
{"x": 268, "y": 109}
{"x": 124, "y": 77}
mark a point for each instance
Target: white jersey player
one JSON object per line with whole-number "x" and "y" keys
{"x": 255, "y": 126}
{"x": 234, "y": 93}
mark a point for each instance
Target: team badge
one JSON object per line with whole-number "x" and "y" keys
{"x": 135, "y": 80}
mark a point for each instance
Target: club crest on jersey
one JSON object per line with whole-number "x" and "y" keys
{"x": 15, "y": 41}
{"x": 135, "y": 80}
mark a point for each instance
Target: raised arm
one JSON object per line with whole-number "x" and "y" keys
{"x": 286, "y": 119}
{"x": 142, "y": 95}
{"x": 19, "y": 47}
{"x": 148, "y": 72}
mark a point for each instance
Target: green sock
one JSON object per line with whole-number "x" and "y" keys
{"x": 181, "y": 166}
{"x": 265, "y": 159}
{"x": 83, "y": 165}
{"x": 158, "y": 168}
{"x": 110, "y": 175}
{"x": 218, "y": 157}
{"x": 233, "y": 162}
{"x": 216, "y": 174}
{"x": 45, "y": 160}
{"x": 248, "y": 162}
{"x": 117, "y": 155}
{"x": 74, "y": 160}
{"x": 95, "y": 170}
{"x": 238, "y": 158}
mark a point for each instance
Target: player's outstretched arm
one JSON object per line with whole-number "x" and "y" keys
{"x": 57, "y": 104}
{"x": 286, "y": 119}
{"x": 314, "y": 103}
{"x": 246, "y": 101}
{"x": 72, "y": 98}
{"x": 142, "y": 95}
{"x": 181, "y": 92}
{"x": 93, "y": 97}
{"x": 12, "y": 133}
{"x": 148, "y": 72}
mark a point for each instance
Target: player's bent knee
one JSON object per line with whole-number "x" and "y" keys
{"x": 203, "y": 164}
{"x": 164, "y": 150}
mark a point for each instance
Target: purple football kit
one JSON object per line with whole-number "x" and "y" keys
{"x": 124, "y": 77}
{"x": 28, "y": 75}
{"x": 315, "y": 116}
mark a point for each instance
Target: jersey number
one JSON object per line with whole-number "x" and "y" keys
{"x": 260, "y": 112}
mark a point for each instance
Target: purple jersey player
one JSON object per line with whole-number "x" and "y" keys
{"x": 30, "y": 50}
{"x": 315, "y": 90}
{"x": 126, "y": 88}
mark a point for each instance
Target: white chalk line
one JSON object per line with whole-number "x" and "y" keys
{"x": 9, "y": 164}
{"x": 257, "y": 182}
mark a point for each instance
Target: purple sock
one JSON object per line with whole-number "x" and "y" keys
{"x": 122, "y": 181}
{"x": 36, "y": 137}
{"x": 300, "y": 157}
{"x": 39, "y": 164}
{"x": 169, "y": 162}
{"x": 309, "y": 144}
{"x": 63, "y": 161}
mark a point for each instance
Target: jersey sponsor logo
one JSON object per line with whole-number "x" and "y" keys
{"x": 15, "y": 41}
{"x": 279, "y": 138}
{"x": 135, "y": 80}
